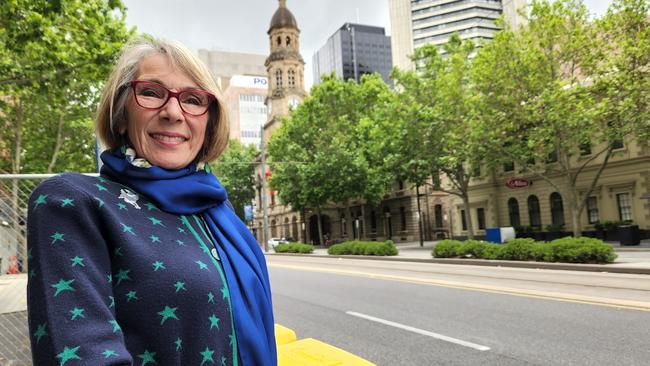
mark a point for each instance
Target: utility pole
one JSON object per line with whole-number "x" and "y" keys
{"x": 265, "y": 213}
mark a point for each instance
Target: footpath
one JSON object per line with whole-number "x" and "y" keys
{"x": 631, "y": 259}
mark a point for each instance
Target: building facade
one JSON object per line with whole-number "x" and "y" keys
{"x": 245, "y": 98}
{"x": 534, "y": 202}
{"x": 354, "y": 50}
{"x": 416, "y": 23}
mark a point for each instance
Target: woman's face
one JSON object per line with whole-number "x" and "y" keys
{"x": 166, "y": 137}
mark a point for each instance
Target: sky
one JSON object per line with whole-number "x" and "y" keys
{"x": 241, "y": 25}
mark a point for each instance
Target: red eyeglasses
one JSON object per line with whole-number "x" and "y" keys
{"x": 151, "y": 95}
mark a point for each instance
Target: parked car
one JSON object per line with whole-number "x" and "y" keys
{"x": 275, "y": 241}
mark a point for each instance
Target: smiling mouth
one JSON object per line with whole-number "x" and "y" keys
{"x": 167, "y": 138}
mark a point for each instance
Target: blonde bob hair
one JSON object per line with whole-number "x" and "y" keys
{"x": 112, "y": 117}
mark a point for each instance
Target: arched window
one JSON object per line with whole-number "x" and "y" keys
{"x": 557, "y": 209}
{"x": 288, "y": 40}
{"x": 533, "y": 212}
{"x": 513, "y": 212}
{"x": 292, "y": 78}
{"x": 279, "y": 41}
{"x": 278, "y": 78}
{"x": 274, "y": 230}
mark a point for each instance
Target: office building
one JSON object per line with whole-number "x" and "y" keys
{"x": 415, "y": 23}
{"x": 245, "y": 100}
{"x": 354, "y": 50}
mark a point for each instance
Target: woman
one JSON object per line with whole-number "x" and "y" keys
{"x": 147, "y": 264}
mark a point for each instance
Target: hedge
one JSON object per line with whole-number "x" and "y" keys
{"x": 294, "y": 248}
{"x": 357, "y": 247}
{"x": 567, "y": 250}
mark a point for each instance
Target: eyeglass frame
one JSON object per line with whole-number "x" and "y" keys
{"x": 172, "y": 94}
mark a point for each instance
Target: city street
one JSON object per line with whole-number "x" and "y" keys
{"x": 394, "y": 313}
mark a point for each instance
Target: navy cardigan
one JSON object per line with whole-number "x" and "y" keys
{"x": 115, "y": 281}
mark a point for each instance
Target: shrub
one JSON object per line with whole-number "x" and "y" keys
{"x": 521, "y": 249}
{"x": 581, "y": 250}
{"x": 357, "y": 247}
{"x": 294, "y": 248}
{"x": 472, "y": 248}
{"x": 446, "y": 249}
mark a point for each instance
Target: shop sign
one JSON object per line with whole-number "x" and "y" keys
{"x": 515, "y": 183}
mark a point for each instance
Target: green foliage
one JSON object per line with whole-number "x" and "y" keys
{"x": 294, "y": 248}
{"x": 318, "y": 156}
{"x": 386, "y": 248}
{"x": 447, "y": 249}
{"x": 236, "y": 171}
{"x": 568, "y": 250}
{"x": 54, "y": 58}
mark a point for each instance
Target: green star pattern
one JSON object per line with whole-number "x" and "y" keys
{"x": 210, "y": 297}
{"x": 67, "y": 202}
{"x": 214, "y": 322}
{"x": 127, "y": 229}
{"x": 180, "y": 243}
{"x": 156, "y": 222}
{"x": 101, "y": 179}
{"x": 158, "y": 265}
{"x": 40, "y": 332}
{"x": 181, "y": 230}
{"x": 112, "y": 304}
{"x": 180, "y": 286}
{"x": 100, "y": 187}
{"x": 77, "y": 261}
{"x": 108, "y": 353}
{"x": 154, "y": 239}
{"x": 202, "y": 265}
{"x": 223, "y": 360}
{"x": 116, "y": 327}
{"x": 76, "y": 312}
{"x": 131, "y": 295}
{"x": 68, "y": 354}
{"x": 118, "y": 252}
{"x": 109, "y": 277}
{"x": 179, "y": 344}
{"x": 225, "y": 293}
{"x": 121, "y": 206}
{"x": 167, "y": 313}
{"x": 57, "y": 236}
{"x": 63, "y": 285}
{"x": 40, "y": 200}
{"x": 147, "y": 357}
{"x": 151, "y": 206}
{"x": 123, "y": 275}
{"x": 32, "y": 273}
{"x": 207, "y": 355}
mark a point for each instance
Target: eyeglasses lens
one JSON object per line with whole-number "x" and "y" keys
{"x": 152, "y": 95}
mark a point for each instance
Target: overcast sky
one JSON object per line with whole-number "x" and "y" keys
{"x": 241, "y": 25}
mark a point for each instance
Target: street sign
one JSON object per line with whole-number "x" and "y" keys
{"x": 248, "y": 212}
{"x": 515, "y": 183}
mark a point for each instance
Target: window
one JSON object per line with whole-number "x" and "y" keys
{"x": 463, "y": 219}
{"x": 592, "y": 210}
{"x": 400, "y": 184}
{"x": 288, "y": 40}
{"x": 618, "y": 144}
{"x": 557, "y": 209}
{"x": 279, "y": 39}
{"x": 292, "y": 78}
{"x": 402, "y": 214}
{"x": 476, "y": 170}
{"x": 533, "y": 212}
{"x": 513, "y": 212}
{"x": 624, "y": 206}
{"x": 585, "y": 149}
{"x": 480, "y": 215}
{"x": 373, "y": 221}
{"x": 552, "y": 157}
{"x": 344, "y": 227}
{"x": 278, "y": 78}
{"x": 438, "y": 215}
{"x": 509, "y": 166}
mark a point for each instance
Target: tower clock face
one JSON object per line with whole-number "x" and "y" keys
{"x": 293, "y": 103}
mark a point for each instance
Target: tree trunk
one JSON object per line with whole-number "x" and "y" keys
{"x": 59, "y": 142}
{"x": 468, "y": 216}
{"x": 320, "y": 226}
{"x": 572, "y": 201}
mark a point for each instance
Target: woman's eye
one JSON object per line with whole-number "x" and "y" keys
{"x": 148, "y": 92}
{"x": 194, "y": 100}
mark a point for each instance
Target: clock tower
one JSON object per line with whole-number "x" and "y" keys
{"x": 285, "y": 67}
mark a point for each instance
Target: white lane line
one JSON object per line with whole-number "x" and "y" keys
{"x": 420, "y": 331}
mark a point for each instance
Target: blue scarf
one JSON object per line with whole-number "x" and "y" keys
{"x": 188, "y": 191}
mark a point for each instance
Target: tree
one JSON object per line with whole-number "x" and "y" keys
{"x": 435, "y": 120}
{"x": 317, "y": 156}
{"x": 236, "y": 171}
{"x": 54, "y": 56}
{"x": 553, "y": 90}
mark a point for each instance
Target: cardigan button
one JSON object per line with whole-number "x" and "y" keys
{"x": 215, "y": 254}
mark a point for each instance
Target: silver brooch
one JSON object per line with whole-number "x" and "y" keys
{"x": 129, "y": 197}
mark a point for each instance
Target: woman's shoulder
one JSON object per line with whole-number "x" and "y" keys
{"x": 67, "y": 186}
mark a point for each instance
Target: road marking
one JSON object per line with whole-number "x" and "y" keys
{"x": 421, "y": 331}
{"x": 545, "y": 295}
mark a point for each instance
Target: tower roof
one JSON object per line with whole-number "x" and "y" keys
{"x": 283, "y": 18}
